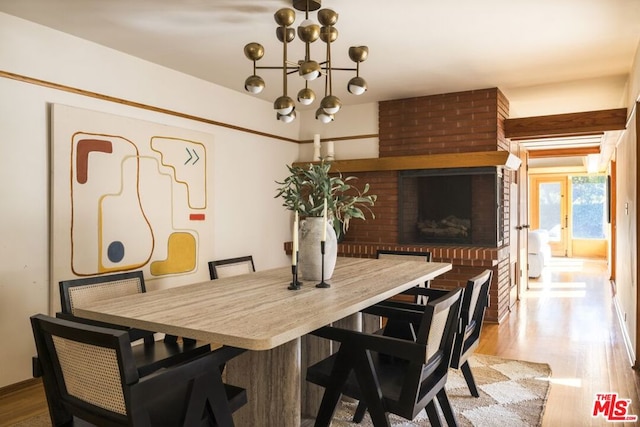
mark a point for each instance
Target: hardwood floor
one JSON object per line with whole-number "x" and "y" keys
{"x": 21, "y": 401}
{"x": 566, "y": 319}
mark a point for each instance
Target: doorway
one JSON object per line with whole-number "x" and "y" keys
{"x": 573, "y": 209}
{"x": 549, "y": 210}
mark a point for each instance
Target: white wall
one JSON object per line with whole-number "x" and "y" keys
{"x": 352, "y": 120}
{"x": 247, "y": 218}
{"x": 634, "y": 81}
{"x": 627, "y": 215}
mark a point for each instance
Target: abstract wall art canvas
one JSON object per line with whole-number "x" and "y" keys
{"x": 127, "y": 194}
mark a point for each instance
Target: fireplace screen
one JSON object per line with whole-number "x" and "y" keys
{"x": 450, "y": 207}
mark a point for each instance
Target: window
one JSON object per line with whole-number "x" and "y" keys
{"x": 589, "y": 199}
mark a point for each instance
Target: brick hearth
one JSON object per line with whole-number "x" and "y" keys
{"x": 450, "y": 123}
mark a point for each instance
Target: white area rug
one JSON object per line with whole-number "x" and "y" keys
{"x": 513, "y": 393}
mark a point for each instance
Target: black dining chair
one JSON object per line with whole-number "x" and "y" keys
{"x": 372, "y": 323}
{"x": 407, "y": 255}
{"x": 475, "y": 300}
{"x": 389, "y": 374}
{"x": 231, "y": 267}
{"x": 79, "y": 292}
{"x": 416, "y": 255}
{"x": 91, "y": 373}
{"x": 474, "y": 304}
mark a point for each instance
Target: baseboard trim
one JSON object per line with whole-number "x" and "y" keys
{"x": 12, "y": 388}
{"x": 631, "y": 354}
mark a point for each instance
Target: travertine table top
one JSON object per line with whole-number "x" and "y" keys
{"x": 256, "y": 311}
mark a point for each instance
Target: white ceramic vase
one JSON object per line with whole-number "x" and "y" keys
{"x": 309, "y": 253}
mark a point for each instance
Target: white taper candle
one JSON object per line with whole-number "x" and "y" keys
{"x": 294, "y": 251}
{"x": 330, "y": 150}
{"x": 316, "y": 147}
{"x": 324, "y": 221}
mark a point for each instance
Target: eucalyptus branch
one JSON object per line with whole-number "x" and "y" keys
{"x": 306, "y": 188}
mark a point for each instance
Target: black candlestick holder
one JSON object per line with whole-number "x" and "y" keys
{"x": 295, "y": 283}
{"x": 322, "y": 283}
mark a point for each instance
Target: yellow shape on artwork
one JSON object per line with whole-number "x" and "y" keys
{"x": 181, "y": 256}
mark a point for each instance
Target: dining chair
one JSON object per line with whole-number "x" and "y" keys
{"x": 372, "y": 323}
{"x": 407, "y": 255}
{"x": 474, "y": 304}
{"x": 389, "y": 374}
{"x": 91, "y": 373}
{"x": 475, "y": 300}
{"x": 231, "y": 267}
{"x": 76, "y": 293}
{"x": 416, "y": 255}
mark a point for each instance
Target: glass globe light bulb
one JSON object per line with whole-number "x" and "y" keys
{"x": 286, "y": 118}
{"x": 323, "y": 116}
{"x": 309, "y": 70}
{"x": 306, "y": 96}
{"x": 308, "y": 31}
{"x": 283, "y": 105}
{"x": 254, "y": 84}
{"x": 357, "y": 86}
{"x": 330, "y": 104}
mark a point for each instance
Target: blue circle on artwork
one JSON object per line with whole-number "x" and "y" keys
{"x": 115, "y": 252}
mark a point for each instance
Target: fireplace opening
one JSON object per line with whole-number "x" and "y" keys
{"x": 451, "y": 207}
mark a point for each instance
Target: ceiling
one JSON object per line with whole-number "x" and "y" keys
{"x": 546, "y": 56}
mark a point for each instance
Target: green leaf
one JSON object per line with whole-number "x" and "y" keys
{"x": 306, "y": 188}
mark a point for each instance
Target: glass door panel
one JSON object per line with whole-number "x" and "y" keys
{"x": 589, "y": 200}
{"x": 550, "y": 202}
{"x": 549, "y": 211}
{"x": 589, "y": 221}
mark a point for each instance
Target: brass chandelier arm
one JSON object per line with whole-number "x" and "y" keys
{"x": 343, "y": 69}
{"x": 284, "y": 67}
{"x": 329, "y": 79}
{"x": 277, "y": 67}
{"x": 292, "y": 69}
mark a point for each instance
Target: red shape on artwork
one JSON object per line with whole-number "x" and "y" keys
{"x": 83, "y": 149}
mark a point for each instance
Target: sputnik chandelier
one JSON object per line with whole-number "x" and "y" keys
{"x": 307, "y": 68}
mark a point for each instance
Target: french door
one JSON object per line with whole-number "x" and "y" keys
{"x": 574, "y": 210}
{"x": 549, "y": 210}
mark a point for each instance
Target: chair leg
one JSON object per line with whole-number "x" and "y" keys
{"x": 327, "y": 407}
{"x": 208, "y": 394}
{"x": 445, "y": 405}
{"x": 358, "y": 416}
{"x": 370, "y": 389}
{"x": 333, "y": 391}
{"x": 219, "y": 404}
{"x": 432, "y": 413}
{"x": 468, "y": 376}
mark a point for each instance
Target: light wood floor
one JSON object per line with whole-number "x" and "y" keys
{"x": 566, "y": 319}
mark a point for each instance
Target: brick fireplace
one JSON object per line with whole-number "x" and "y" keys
{"x": 451, "y": 206}
{"x": 461, "y": 123}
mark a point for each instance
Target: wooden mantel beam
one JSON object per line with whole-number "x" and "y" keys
{"x": 427, "y": 161}
{"x": 566, "y": 124}
{"x": 563, "y": 152}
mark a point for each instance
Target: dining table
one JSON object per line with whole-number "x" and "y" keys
{"x": 258, "y": 312}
